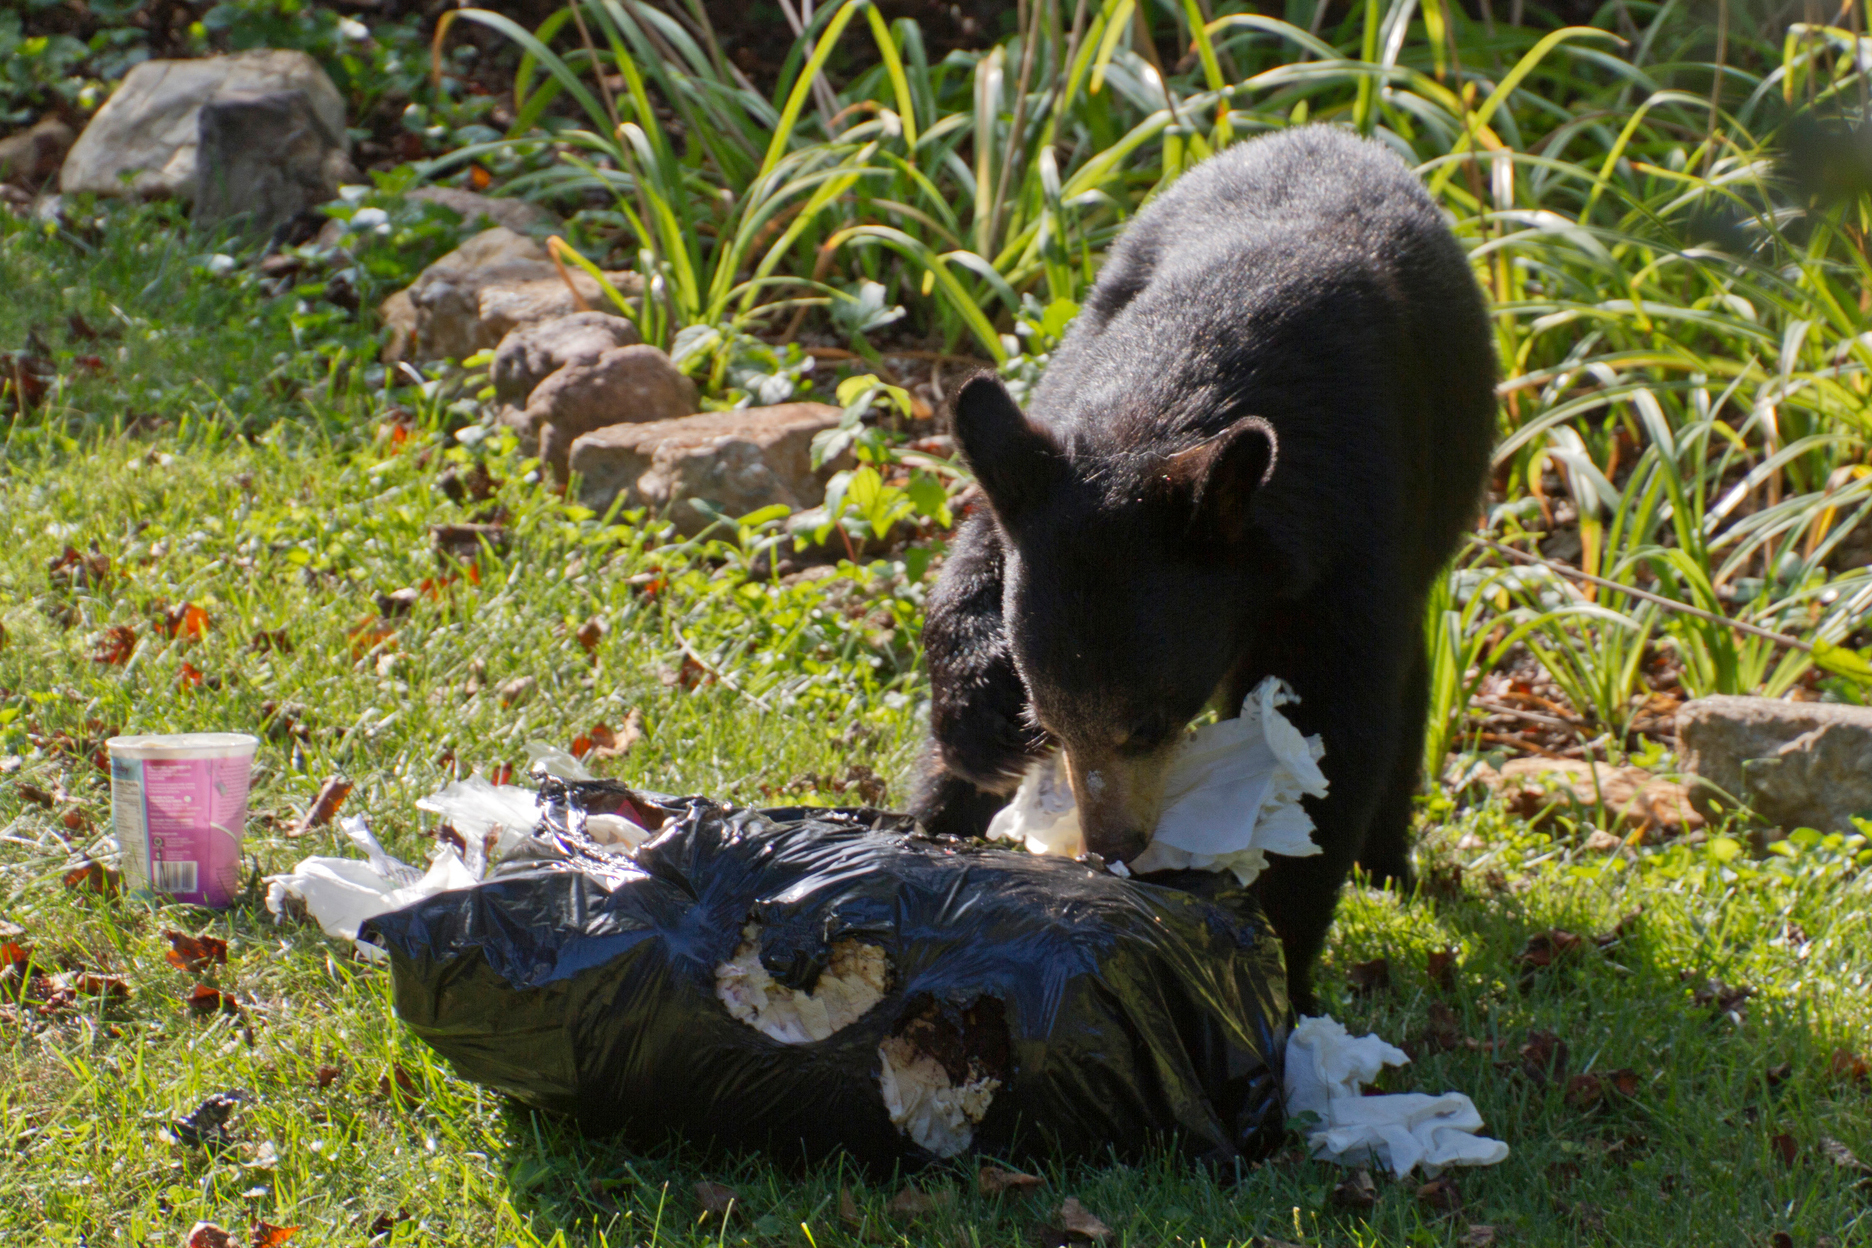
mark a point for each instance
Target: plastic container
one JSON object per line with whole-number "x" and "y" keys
{"x": 179, "y": 803}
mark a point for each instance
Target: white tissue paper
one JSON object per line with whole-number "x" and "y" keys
{"x": 1231, "y": 796}
{"x": 341, "y": 893}
{"x": 1326, "y": 1071}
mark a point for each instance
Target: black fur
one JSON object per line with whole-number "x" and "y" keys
{"x": 1257, "y": 446}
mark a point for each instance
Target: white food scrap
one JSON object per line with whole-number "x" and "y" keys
{"x": 923, "y": 1102}
{"x": 853, "y": 981}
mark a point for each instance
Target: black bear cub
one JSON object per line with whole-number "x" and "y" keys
{"x": 1255, "y": 449}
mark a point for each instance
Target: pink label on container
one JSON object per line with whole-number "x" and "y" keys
{"x": 194, "y": 810}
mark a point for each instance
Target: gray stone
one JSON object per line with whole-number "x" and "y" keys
{"x": 478, "y": 212}
{"x": 34, "y": 154}
{"x": 623, "y": 386}
{"x": 1793, "y": 764}
{"x": 739, "y": 461}
{"x": 530, "y": 354}
{"x": 149, "y": 129}
{"x": 495, "y": 282}
{"x": 263, "y": 158}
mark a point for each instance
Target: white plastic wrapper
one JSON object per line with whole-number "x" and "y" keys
{"x": 1231, "y": 798}
{"x": 1327, "y": 1070}
{"x": 341, "y": 893}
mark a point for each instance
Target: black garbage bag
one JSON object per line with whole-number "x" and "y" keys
{"x": 935, "y": 995}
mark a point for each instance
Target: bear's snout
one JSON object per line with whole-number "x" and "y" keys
{"x": 1119, "y": 796}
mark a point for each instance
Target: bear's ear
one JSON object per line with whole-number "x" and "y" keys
{"x": 1218, "y": 479}
{"x": 1015, "y": 460}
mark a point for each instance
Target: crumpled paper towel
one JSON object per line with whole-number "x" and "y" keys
{"x": 1231, "y": 797}
{"x": 1326, "y": 1070}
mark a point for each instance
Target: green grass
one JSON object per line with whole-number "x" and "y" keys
{"x": 282, "y": 508}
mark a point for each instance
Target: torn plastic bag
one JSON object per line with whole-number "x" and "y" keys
{"x": 807, "y": 980}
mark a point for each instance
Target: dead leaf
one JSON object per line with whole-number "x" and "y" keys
{"x": 369, "y": 633}
{"x": 208, "y": 1235}
{"x": 994, "y": 1181}
{"x": 1544, "y": 1057}
{"x": 1543, "y": 949}
{"x": 205, "y": 1126}
{"x": 1357, "y": 1191}
{"x": 1848, "y": 1066}
{"x": 913, "y": 1202}
{"x": 114, "y": 646}
{"x": 187, "y": 622}
{"x": 1080, "y": 1222}
{"x": 325, "y": 1076}
{"x": 1843, "y": 1157}
{"x": 1440, "y": 1195}
{"x": 605, "y": 743}
{"x": 271, "y": 640}
{"x": 204, "y": 1001}
{"x": 190, "y": 677}
{"x": 1780, "y": 1239}
{"x": 194, "y": 954}
{"x": 1624, "y": 1081}
{"x": 1786, "y": 1147}
{"x": 517, "y": 690}
{"x": 1369, "y": 977}
{"x": 265, "y": 1235}
{"x": 384, "y": 1223}
{"x": 1583, "y": 1092}
{"x": 34, "y": 794}
{"x": 397, "y": 1087}
{"x": 716, "y": 1198}
{"x": 1479, "y": 1235}
{"x": 94, "y": 877}
{"x": 1441, "y": 967}
{"x": 1443, "y": 883}
{"x": 1778, "y": 1074}
{"x": 325, "y": 807}
{"x": 1725, "y": 997}
{"x": 1625, "y": 927}
{"x": 590, "y": 633}
{"x": 91, "y": 984}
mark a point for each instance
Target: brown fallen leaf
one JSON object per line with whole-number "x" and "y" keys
{"x": 94, "y": 877}
{"x": 114, "y": 646}
{"x": 1780, "y": 1239}
{"x": 325, "y": 807}
{"x": 1357, "y": 1191}
{"x": 204, "y": 1001}
{"x": 1848, "y": 1066}
{"x": 606, "y": 743}
{"x": 270, "y": 641}
{"x": 384, "y": 1223}
{"x": 187, "y": 622}
{"x": 1543, "y": 949}
{"x": 265, "y": 1235}
{"x": 325, "y": 1076}
{"x": 1478, "y": 1235}
{"x": 1624, "y": 1081}
{"x": 1441, "y": 967}
{"x": 1786, "y": 1147}
{"x": 590, "y": 633}
{"x": 1583, "y": 1092}
{"x": 1369, "y": 977}
{"x": 208, "y": 1235}
{"x": 1724, "y": 997}
{"x": 1843, "y": 1157}
{"x": 1544, "y": 1057}
{"x": 91, "y": 984}
{"x": 1080, "y": 1222}
{"x": 396, "y": 1086}
{"x": 913, "y": 1202}
{"x": 1440, "y": 1195}
{"x": 194, "y": 954}
{"x": 994, "y": 1181}
{"x": 517, "y": 690}
{"x": 34, "y": 794}
{"x": 717, "y": 1198}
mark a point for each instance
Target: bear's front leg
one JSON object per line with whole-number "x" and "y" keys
{"x": 981, "y": 738}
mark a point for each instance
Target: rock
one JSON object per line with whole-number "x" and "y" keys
{"x": 263, "y": 158}
{"x": 740, "y": 461}
{"x": 33, "y": 155}
{"x": 1794, "y": 764}
{"x": 150, "y": 127}
{"x": 496, "y": 281}
{"x": 531, "y": 353}
{"x": 1634, "y": 798}
{"x": 622, "y": 386}
{"x": 399, "y": 314}
{"x": 478, "y": 212}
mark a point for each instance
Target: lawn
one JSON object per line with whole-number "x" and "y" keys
{"x": 1668, "y": 1037}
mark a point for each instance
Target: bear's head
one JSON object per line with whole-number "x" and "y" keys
{"x": 1134, "y": 580}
